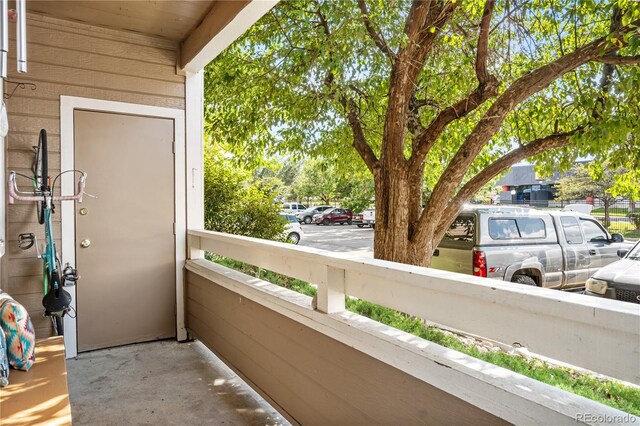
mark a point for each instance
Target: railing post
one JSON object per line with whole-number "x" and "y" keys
{"x": 193, "y": 248}
{"x": 331, "y": 292}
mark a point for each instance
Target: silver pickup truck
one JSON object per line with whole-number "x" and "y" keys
{"x": 555, "y": 249}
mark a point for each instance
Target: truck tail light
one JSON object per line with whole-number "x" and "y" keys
{"x": 479, "y": 264}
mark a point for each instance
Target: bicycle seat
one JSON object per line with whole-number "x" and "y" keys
{"x": 56, "y": 299}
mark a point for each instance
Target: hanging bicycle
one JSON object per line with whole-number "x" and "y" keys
{"x": 56, "y": 300}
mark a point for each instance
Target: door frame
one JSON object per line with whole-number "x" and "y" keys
{"x": 67, "y": 161}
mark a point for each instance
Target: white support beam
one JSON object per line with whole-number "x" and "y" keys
{"x": 226, "y": 21}
{"x": 195, "y": 154}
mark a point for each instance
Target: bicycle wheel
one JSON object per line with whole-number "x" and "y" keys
{"x": 40, "y": 171}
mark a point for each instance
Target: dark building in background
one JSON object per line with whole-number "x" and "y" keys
{"x": 521, "y": 186}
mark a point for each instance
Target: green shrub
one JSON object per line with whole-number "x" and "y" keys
{"x": 236, "y": 205}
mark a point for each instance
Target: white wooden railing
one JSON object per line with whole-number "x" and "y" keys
{"x": 592, "y": 333}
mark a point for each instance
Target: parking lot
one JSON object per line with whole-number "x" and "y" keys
{"x": 348, "y": 239}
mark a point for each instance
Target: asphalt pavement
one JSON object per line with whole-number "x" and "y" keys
{"x": 348, "y": 239}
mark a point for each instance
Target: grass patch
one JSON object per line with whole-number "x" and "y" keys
{"x": 609, "y": 392}
{"x": 632, "y": 235}
{"x": 627, "y": 229}
{"x": 613, "y": 211}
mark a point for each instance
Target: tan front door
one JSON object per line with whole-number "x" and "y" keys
{"x": 125, "y": 238}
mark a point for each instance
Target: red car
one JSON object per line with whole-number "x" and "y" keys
{"x": 337, "y": 215}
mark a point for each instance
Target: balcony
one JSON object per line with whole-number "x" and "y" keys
{"x": 315, "y": 363}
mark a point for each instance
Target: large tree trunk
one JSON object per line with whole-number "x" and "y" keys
{"x": 398, "y": 208}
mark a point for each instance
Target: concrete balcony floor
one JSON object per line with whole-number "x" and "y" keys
{"x": 162, "y": 383}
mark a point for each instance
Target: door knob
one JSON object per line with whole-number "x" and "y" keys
{"x": 85, "y": 243}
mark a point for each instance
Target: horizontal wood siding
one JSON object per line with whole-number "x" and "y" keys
{"x": 316, "y": 379}
{"x": 72, "y": 59}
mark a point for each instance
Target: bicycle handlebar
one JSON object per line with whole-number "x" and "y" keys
{"x": 15, "y": 194}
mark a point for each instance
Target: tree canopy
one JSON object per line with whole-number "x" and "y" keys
{"x": 596, "y": 180}
{"x": 434, "y": 97}
{"x": 583, "y": 181}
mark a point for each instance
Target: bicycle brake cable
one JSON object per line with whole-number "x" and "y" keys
{"x": 60, "y": 174}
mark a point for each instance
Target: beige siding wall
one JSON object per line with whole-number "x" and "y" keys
{"x": 314, "y": 379}
{"x": 73, "y": 59}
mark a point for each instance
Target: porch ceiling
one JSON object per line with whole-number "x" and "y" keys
{"x": 204, "y": 28}
{"x": 173, "y": 20}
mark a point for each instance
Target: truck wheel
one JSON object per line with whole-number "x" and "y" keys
{"x": 523, "y": 279}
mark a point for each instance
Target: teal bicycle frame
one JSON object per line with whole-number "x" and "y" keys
{"x": 49, "y": 253}
{"x": 56, "y": 304}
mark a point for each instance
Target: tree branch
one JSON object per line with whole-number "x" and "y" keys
{"x": 483, "y": 42}
{"x": 350, "y": 107}
{"x": 414, "y": 124}
{"x": 419, "y": 103}
{"x": 510, "y": 12}
{"x": 429, "y": 136}
{"x": 608, "y": 69}
{"x": 359, "y": 140}
{"x": 538, "y": 146}
{"x": 488, "y": 87}
{"x": 377, "y": 38}
{"x": 618, "y": 60}
{"x": 416, "y": 18}
{"x": 433, "y": 26}
{"x": 328, "y": 80}
{"x": 490, "y": 123}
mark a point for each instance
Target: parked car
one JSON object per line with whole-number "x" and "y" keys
{"x": 555, "y": 249}
{"x": 358, "y": 220}
{"x": 619, "y": 280}
{"x": 336, "y": 215}
{"x": 292, "y": 208}
{"x": 306, "y": 216}
{"x": 366, "y": 218}
{"x": 293, "y": 231}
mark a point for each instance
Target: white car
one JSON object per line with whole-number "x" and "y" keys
{"x": 293, "y": 231}
{"x": 618, "y": 280}
{"x": 292, "y": 208}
